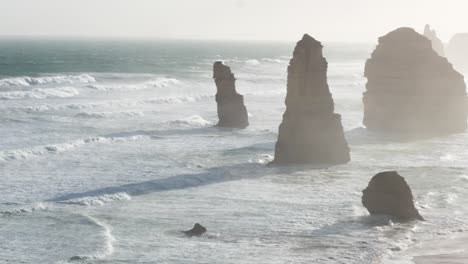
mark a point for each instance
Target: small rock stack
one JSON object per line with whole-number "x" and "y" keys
{"x": 231, "y": 109}
{"x": 389, "y": 194}
{"x": 411, "y": 89}
{"x": 310, "y": 133}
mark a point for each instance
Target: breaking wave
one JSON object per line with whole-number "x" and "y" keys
{"x": 40, "y": 93}
{"x": 25, "y": 209}
{"x": 177, "y": 99}
{"x": 252, "y": 62}
{"x": 59, "y": 79}
{"x": 109, "y": 114}
{"x": 105, "y": 249}
{"x": 158, "y": 83}
{"x": 125, "y": 103}
{"x": 193, "y": 121}
{"x": 99, "y": 200}
{"x": 22, "y": 154}
{"x": 274, "y": 60}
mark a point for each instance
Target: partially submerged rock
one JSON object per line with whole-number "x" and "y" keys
{"x": 310, "y": 133}
{"x": 389, "y": 194}
{"x": 197, "y": 230}
{"x": 412, "y": 90}
{"x": 437, "y": 44}
{"x": 232, "y": 112}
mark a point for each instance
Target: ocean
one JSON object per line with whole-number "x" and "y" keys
{"x": 108, "y": 150}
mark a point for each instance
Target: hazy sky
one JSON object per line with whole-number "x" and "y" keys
{"x": 327, "y": 20}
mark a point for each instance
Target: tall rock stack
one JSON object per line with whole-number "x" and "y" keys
{"x": 311, "y": 133}
{"x": 457, "y": 51}
{"x": 437, "y": 44}
{"x": 412, "y": 90}
{"x": 231, "y": 109}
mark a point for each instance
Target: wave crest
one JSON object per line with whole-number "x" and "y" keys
{"x": 158, "y": 83}
{"x": 99, "y": 200}
{"x": 103, "y": 250}
{"x": 58, "y": 79}
{"x": 22, "y": 210}
{"x": 22, "y": 154}
{"x": 39, "y": 93}
{"x": 193, "y": 121}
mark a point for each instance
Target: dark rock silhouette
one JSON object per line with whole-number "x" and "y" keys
{"x": 389, "y": 194}
{"x": 437, "y": 44}
{"x": 412, "y": 90}
{"x": 197, "y": 230}
{"x": 310, "y": 133}
{"x": 457, "y": 51}
{"x": 231, "y": 109}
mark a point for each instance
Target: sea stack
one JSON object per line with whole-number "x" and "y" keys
{"x": 457, "y": 51}
{"x": 231, "y": 109}
{"x": 437, "y": 44}
{"x": 310, "y": 133}
{"x": 389, "y": 194}
{"x": 412, "y": 90}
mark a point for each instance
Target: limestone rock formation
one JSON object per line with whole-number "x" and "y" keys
{"x": 197, "y": 230}
{"x": 310, "y": 133}
{"x": 231, "y": 109}
{"x": 457, "y": 51}
{"x": 389, "y": 194}
{"x": 437, "y": 44}
{"x": 411, "y": 90}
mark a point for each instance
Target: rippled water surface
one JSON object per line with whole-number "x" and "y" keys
{"x": 108, "y": 150}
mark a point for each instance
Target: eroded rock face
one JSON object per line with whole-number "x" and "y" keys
{"x": 457, "y": 51}
{"x": 232, "y": 112}
{"x": 389, "y": 194}
{"x": 411, "y": 89}
{"x": 197, "y": 230}
{"x": 310, "y": 133}
{"x": 437, "y": 44}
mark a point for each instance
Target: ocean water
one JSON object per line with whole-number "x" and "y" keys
{"x": 108, "y": 151}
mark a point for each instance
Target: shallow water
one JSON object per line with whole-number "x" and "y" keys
{"x": 108, "y": 150}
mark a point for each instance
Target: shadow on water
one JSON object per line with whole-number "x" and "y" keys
{"x": 183, "y": 181}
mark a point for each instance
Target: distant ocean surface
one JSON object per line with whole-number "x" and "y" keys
{"x": 108, "y": 150}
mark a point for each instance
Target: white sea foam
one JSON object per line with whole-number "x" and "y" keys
{"x": 123, "y": 103}
{"x": 262, "y": 159}
{"x": 193, "y": 121}
{"x": 40, "y": 93}
{"x": 252, "y": 62}
{"x": 99, "y": 200}
{"x": 24, "y": 209}
{"x": 104, "y": 249}
{"x": 58, "y": 79}
{"x": 176, "y": 99}
{"x": 274, "y": 60}
{"x": 21, "y": 154}
{"x": 109, "y": 114}
{"x": 158, "y": 83}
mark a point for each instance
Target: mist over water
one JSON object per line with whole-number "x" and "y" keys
{"x": 108, "y": 150}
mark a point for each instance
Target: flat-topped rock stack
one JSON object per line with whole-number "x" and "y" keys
{"x": 437, "y": 44}
{"x": 232, "y": 112}
{"x": 411, "y": 89}
{"x": 310, "y": 133}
